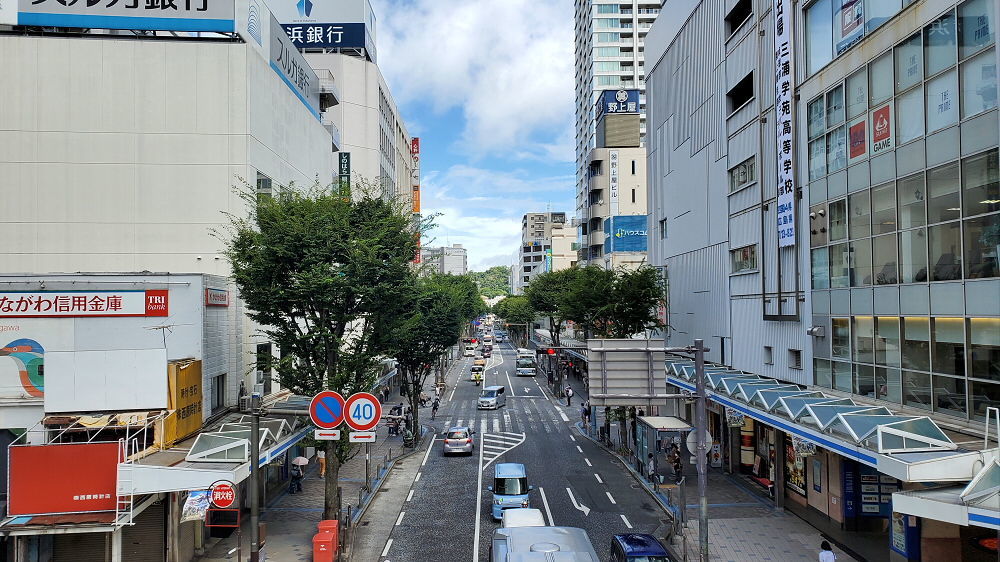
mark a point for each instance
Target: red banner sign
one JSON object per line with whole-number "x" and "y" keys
{"x": 216, "y": 297}
{"x": 56, "y": 304}
{"x": 62, "y": 478}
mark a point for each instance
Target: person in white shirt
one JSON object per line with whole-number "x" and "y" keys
{"x": 826, "y": 553}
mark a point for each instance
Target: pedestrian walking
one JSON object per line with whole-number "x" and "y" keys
{"x": 569, "y": 395}
{"x": 678, "y": 469}
{"x": 826, "y": 552}
{"x": 651, "y": 469}
{"x": 296, "y": 484}
{"x": 321, "y": 457}
{"x": 434, "y": 408}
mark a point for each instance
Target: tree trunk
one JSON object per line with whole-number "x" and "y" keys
{"x": 331, "y": 503}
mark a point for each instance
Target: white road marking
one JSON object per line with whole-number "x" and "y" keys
{"x": 495, "y": 447}
{"x": 459, "y": 424}
{"x": 417, "y": 479}
{"x": 586, "y": 460}
{"x": 482, "y": 425}
{"x": 400, "y": 518}
{"x": 598, "y": 476}
{"x": 571, "y": 438}
{"x": 510, "y": 386}
{"x": 545, "y": 502}
{"x": 579, "y": 449}
{"x": 428, "y": 453}
{"x": 454, "y": 388}
{"x": 625, "y": 519}
{"x": 479, "y": 508}
{"x": 409, "y": 496}
{"x": 563, "y": 416}
{"x": 610, "y": 497}
{"x": 496, "y": 425}
{"x": 385, "y": 551}
{"x": 580, "y": 506}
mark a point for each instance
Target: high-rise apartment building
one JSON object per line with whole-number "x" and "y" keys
{"x": 452, "y": 260}
{"x": 546, "y": 245}
{"x": 609, "y": 55}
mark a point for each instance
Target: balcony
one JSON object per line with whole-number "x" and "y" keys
{"x": 329, "y": 94}
{"x": 334, "y": 133}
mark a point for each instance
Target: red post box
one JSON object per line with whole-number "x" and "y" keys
{"x": 331, "y": 526}
{"x": 324, "y": 548}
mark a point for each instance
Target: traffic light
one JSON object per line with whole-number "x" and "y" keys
{"x": 551, "y": 351}
{"x": 474, "y": 340}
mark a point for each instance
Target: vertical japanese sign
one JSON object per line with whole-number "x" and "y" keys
{"x": 344, "y": 173}
{"x": 415, "y": 187}
{"x": 783, "y": 93}
{"x": 293, "y": 69}
{"x": 613, "y": 174}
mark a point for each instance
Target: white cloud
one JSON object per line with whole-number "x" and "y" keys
{"x": 482, "y": 209}
{"x": 508, "y": 66}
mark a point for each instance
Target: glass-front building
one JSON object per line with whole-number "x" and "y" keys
{"x": 903, "y": 172}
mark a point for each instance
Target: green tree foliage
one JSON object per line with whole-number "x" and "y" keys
{"x": 438, "y": 308}
{"x": 588, "y": 298}
{"x": 518, "y": 314}
{"x": 494, "y": 282}
{"x": 547, "y": 296}
{"x": 325, "y": 277}
{"x": 609, "y": 303}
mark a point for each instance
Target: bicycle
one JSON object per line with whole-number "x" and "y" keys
{"x": 434, "y": 411}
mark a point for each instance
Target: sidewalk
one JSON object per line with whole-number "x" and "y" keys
{"x": 742, "y": 525}
{"x": 291, "y": 518}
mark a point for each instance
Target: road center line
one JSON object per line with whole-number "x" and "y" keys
{"x": 385, "y": 551}
{"x": 571, "y": 438}
{"x": 577, "y": 448}
{"x": 545, "y": 502}
{"x": 479, "y": 507}
{"x": 400, "y": 518}
{"x": 625, "y": 519}
{"x": 598, "y": 476}
{"x": 610, "y": 497}
{"x": 586, "y": 460}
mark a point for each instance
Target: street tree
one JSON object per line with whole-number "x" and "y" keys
{"x": 588, "y": 298}
{"x": 437, "y": 310}
{"x": 548, "y": 295}
{"x": 635, "y": 297}
{"x": 519, "y": 316}
{"x": 322, "y": 273}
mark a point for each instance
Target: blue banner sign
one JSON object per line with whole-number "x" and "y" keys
{"x": 158, "y": 15}
{"x": 617, "y": 101}
{"x": 626, "y": 233}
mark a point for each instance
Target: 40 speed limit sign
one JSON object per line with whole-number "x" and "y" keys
{"x": 363, "y": 411}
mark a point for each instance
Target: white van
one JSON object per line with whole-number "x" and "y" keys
{"x": 470, "y": 350}
{"x": 522, "y": 517}
{"x": 492, "y": 397}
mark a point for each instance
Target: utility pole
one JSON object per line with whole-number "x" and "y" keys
{"x": 255, "y": 407}
{"x": 701, "y": 422}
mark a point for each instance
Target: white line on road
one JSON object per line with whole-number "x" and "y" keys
{"x": 563, "y": 416}
{"x": 454, "y": 388}
{"x": 625, "y": 519}
{"x": 496, "y": 425}
{"x": 586, "y": 460}
{"x": 576, "y": 504}
{"x": 479, "y": 508}
{"x": 385, "y": 551}
{"x": 612, "y": 498}
{"x": 579, "y": 449}
{"x": 428, "y": 453}
{"x": 400, "y": 518}
{"x": 410, "y": 495}
{"x": 571, "y": 438}
{"x": 510, "y": 386}
{"x": 598, "y": 476}
{"x": 545, "y": 502}
{"x": 417, "y": 479}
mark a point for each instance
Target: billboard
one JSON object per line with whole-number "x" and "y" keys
{"x": 293, "y": 69}
{"x": 56, "y": 304}
{"x": 185, "y": 396}
{"x": 344, "y": 24}
{"x": 626, "y": 233}
{"x": 62, "y": 478}
{"x": 106, "y": 380}
{"x": 617, "y": 101}
{"x": 784, "y": 91}
{"x": 150, "y": 15}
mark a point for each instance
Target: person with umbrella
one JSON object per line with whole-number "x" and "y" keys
{"x": 298, "y": 473}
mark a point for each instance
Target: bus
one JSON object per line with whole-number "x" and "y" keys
{"x": 526, "y": 364}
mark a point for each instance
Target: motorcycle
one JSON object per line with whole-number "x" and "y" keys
{"x": 479, "y": 378}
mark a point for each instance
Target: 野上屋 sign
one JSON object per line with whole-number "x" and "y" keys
{"x": 783, "y": 101}
{"x": 48, "y": 304}
{"x": 617, "y": 101}
{"x": 62, "y": 478}
{"x": 613, "y": 180}
{"x": 159, "y": 15}
{"x": 216, "y": 297}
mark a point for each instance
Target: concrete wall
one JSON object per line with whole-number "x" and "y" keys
{"x": 121, "y": 155}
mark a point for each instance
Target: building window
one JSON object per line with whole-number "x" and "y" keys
{"x": 768, "y": 355}
{"x": 663, "y": 229}
{"x": 795, "y": 359}
{"x": 833, "y": 27}
{"x": 976, "y": 26}
{"x": 916, "y": 343}
{"x": 743, "y": 174}
{"x": 841, "y": 338}
{"x": 864, "y": 339}
{"x": 740, "y": 13}
{"x": 743, "y": 259}
{"x": 527, "y": 268}
{"x": 525, "y": 278}
{"x": 633, "y": 169}
{"x": 824, "y": 375}
{"x": 984, "y": 348}
{"x": 218, "y": 392}
{"x": 948, "y": 353}
{"x": 741, "y": 93}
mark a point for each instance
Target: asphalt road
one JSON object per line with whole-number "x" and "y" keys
{"x": 438, "y": 522}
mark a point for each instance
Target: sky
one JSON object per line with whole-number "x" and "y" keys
{"x": 488, "y": 88}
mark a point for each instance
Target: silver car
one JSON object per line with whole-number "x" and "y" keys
{"x": 459, "y": 440}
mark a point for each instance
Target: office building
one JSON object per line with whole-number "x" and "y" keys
{"x": 609, "y": 55}
{"x": 546, "y": 245}
{"x": 452, "y": 260}
{"x": 859, "y": 144}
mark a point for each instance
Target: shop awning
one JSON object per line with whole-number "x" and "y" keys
{"x": 665, "y": 423}
{"x": 978, "y": 503}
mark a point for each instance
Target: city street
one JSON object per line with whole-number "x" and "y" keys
{"x": 447, "y": 513}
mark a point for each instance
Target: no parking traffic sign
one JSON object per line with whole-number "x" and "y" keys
{"x": 363, "y": 411}
{"x": 327, "y": 409}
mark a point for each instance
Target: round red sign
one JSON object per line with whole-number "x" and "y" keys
{"x": 223, "y": 494}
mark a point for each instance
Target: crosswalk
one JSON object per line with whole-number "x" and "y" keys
{"x": 518, "y": 416}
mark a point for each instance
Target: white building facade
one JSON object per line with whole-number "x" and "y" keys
{"x": 450, "y": 260}
{"x": 547, "y": 244}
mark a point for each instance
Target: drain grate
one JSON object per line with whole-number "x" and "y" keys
{"x": 365, "y": 523}
{"x": 634, "y": 486}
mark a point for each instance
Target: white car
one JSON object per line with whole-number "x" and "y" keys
{"x": 522, "y": 517}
